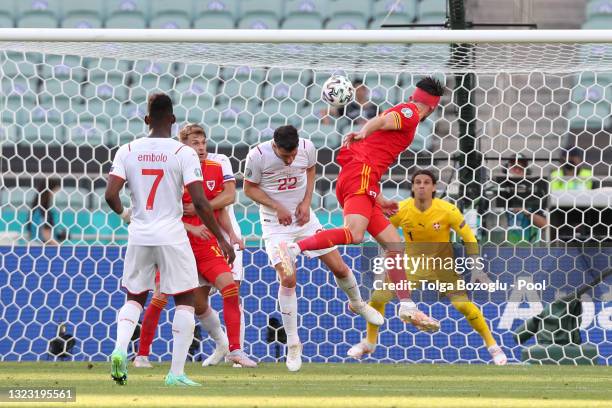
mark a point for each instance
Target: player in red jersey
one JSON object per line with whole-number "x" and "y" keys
{"x": 212, "y": 266}
{"x": 364, "y": 157}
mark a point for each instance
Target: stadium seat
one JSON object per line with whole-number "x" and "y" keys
{"x": 257, "y": 22}
{"x": 6, "y": 21}
{"x": 43, "y": 133}
{"x": 37, "y": 7}
{"x": 37, "y": 20}
{"x": 395, "y": 193}
{"x": 9, "y": 134}
{"x": 303, "y": 8}
{"x": 82, "y": 14}
{"x": 302, "y": 22}
{"x": 352, "y": 22}
{"x": 598, "y": 8}
{"x": 7, "y": 14}
{"x": 403, "y": 12}
{"x": 171, "y": 21}
{"x": 126, "y": 20}
{"x": 431, "y": 9}
{"x": 182, "y": 8}
{"x": 349, "y": 9}
{"x": 12, "y": 68}
{"x": 598, "y": 22}
{"x": 320, "y": 134}
{"x": 243, "y": 73}
{"x": 126, "y": 7}
{"x": 82, "y": 21}
{"x": 216, "y": 8}
{"x": 20, "y": 197}
{"x": 214, "y": 21}
{"x": 70, "y": 197}
{"x": 64, "y": 68}
{"x": 258, "y": 9}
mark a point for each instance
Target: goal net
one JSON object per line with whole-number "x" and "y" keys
{"x": 514, "y": 115}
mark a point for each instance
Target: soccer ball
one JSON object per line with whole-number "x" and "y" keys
{"x": 337, "y": 91}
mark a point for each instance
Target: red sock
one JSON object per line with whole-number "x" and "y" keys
{"x": 326, "y": 239}
{"x": 149, "y": 325}
{"x": 231, "y": 315}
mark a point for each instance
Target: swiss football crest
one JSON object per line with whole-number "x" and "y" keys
{"x": 407, "y": 113}
{"x": 436, "y": 226}
{"x": 210, "y": 184}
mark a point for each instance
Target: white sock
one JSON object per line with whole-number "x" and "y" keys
{"x": 409, "y": 304}
{"x": 242, "y": 327}
{"x": 182, "y": 336}
{"x": 349, "y": 286}
{"x": 127, "y": 319}
{"x": 212, "y": 324}
{"x": 287, "y": 300}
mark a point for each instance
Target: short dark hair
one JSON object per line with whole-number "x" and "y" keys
{"x": 286, "y": 138}
{"x": 159, "y": 106}
{"x": 431, "y": 85}
{"x": 425, "y": 172}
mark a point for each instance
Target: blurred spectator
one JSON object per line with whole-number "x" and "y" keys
{"x": 523, "y": 224}
{"x": 574, "y": 174}
{"x": 42, "y": 225}
{"x": 358, "y": 111}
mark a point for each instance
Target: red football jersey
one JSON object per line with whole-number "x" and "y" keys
{"x": 382, "y": 148}
{"x": 213, "y": 185}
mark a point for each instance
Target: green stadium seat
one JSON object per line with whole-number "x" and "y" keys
{"x": 62, "y": 67}
{"x": 214, "y": 21}
{"x": 97, "y": 201}
{"x": 431, "y": 9}
{"x": 302, "y": 22}
{"x": 12, "y": 68}
{"x": 9, "y": 134}
{"x": 244, "y": 73}
{"x": 20, "y": 197}
{"x": 70, "y": 198}
{"x": 171, "y": 21}
{"x": 346, "y": 23}
{"x": 126, "y": 7}
{"x": 182, "y": 8}
{"x": 6, "y": 21}
{"x": 38, "y": 7}
{"x": 320, "y": 134}
{"x": 216, "y": 8}
{"x": 259, "y": 22}
{"x": 402, "y": 12}
{"x": 256, "y": 8}
{"x": 598, "y": 22}
{"x": 82, "y": 21}
{"x": 302, "y": 8}
{"x": 54, "y": 86}
{"x": 43, "y": 133}
{"x": 126, "y": 20}
{"x": 349, "y": 9}
{"x": 597, "y": 8}
{"x": 37, "y": 20}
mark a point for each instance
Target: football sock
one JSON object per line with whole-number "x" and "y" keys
{"x": 349, "y": 286}
{"x": 182, "y": 336}
{"x": 326, "y": 239}
{"x": 242, "y": 327}
{"x": 287, "y": 300}
{"x": 475, "y": 318}
{"x": 149, "y": 325}
{"x": 231, "y": 314}
{"x": 127, "y": 319}
{"x": 209, "y": 320}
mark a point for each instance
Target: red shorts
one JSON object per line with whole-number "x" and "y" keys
{"x": 210, "y": 261}
{"x": 356, "y": 190}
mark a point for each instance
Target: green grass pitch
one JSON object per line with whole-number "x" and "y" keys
{"x": 325, "y": 385}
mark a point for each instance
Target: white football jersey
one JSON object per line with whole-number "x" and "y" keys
{"x": 285, "y": 184}
{"x": 228, "y": 175}
{"x": 156, "y": 171}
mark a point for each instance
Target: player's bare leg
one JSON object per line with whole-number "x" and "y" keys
{"x": 287, "y": 301}
{"x": 347, "y": 282}
{"x": 390, "y": 240}
{"x": 210, "y": 322}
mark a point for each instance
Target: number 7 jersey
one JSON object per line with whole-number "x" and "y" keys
{"x": 282, "y": 183}
{"x": 156, "y": 171}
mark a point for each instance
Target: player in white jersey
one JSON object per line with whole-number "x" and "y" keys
{"x": 157, "y": 168}
{"x": 280, "y": 176}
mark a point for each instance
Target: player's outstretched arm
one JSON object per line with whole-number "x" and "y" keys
{"x": 255, "y": 193}
{"x": 205, "y": 212}
{"x": 382, "y": 122}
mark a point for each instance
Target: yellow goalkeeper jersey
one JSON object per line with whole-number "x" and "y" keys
{"x": 432, "y": 226}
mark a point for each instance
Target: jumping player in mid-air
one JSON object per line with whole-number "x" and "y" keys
{"x": 365, "y": 156}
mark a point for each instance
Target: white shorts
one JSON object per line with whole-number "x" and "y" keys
{"x": 274, "y": 234}
{"x": 176, "y": 263}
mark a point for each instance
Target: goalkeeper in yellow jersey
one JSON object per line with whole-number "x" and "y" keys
{"x": 426, "y": 222}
